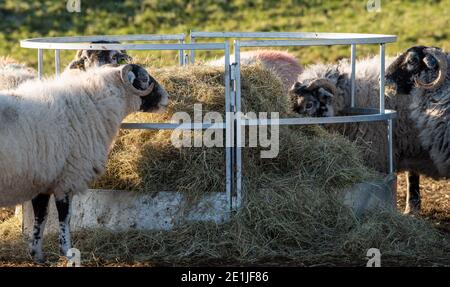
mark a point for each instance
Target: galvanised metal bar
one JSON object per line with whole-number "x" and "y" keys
{"x": 118, "y": 38}
{"x": 172, "y": 126}
{"x": 296, "y": 35}
{"x": 40, "y": 63}
{"x": 151, "y": 47}
{"x": 232, "y": 122}
{"x": 325, "y": 120}
{"x": 57, "y": 62}
{"x": 296, "y": 43}
{"x": 192, "y": 52}
{"x": 228, "y": 128}
{"x": 181, "y": 54}
{"x": 382, "y": 67}
{"x": 237, "y": 59}
{"x": 390, "y": 146}
{"x": 353, "y": 75}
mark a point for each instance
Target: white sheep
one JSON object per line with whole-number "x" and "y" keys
{"x": 13, "y": 73}
{"x": 55, "y": 135}
{"x": 325, "y": 90}
{"x": 283, "y": 64}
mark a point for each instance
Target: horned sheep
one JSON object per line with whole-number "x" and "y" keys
{"x": 421, "y": 75}
{"x": 325, "y": 90}
{"x": 55, "y": 135}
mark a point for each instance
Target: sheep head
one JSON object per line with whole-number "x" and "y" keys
{"x": 137, "y": 81}
{"x": 85, "y": 59}
{"x": 410, "y": 68}
{"x": 313, "y": 99}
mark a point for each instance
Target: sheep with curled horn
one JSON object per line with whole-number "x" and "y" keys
{"x": 421, "y": 74}
{"x": 55, "y": 135}
{"x": 325, "y": 90}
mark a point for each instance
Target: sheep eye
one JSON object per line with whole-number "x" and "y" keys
{"x": 412, "y": 60}
{"x": 309, "y": 106}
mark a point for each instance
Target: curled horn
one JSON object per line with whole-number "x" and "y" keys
{"x": 441, "y": 58}
{"x": 129, "y": 85}
{"x": 323, "y": 83}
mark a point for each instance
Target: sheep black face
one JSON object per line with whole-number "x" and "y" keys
{"x": 154, "y": 98}
{"x": 85, "y": 59}
{"x": 312, "y": 100}
{"x": 415, "y": 66}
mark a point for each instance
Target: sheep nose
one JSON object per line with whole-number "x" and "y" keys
{"x": 390, "y": 87}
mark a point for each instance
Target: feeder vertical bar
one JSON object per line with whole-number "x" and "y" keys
{"x": 181, "y": 54}
{"x": 353, "y": 77}
{"x": 192, "y": 53}
{"x": 40, "y": 63}
{"x": 57, "y": 62}
{"x": 382, "y": 67}
{"x": 228, "y": 126}
{"x": 390, "y": 146}
{"x": 237, "y": 59}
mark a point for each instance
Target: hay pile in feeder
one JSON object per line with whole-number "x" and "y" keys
{"x": 146, "y": 160}
{"x": 291, "y": 214}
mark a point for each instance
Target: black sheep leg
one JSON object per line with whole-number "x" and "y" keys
{"x": 413, "y": 192}
{"x": 40, "y": 209}
{"x": 64, "y": 209}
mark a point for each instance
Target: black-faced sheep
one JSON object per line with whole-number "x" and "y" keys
{"x": 283, "y": 64}
{"x": 421, "y": 75}
{"x": 55, "y": 135}
{"x": 85, "y": 59}
{"x": 330, "y": 85}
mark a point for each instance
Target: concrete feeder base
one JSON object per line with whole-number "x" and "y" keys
{"x": 122, "y": 210}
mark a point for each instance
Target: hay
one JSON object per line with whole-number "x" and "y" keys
{"x": 146, "y": 161}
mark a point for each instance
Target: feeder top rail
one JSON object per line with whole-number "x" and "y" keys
{"x": 75, "y": 43}
{"x": 313, "y": 38}
{"x": 119, "y": 38}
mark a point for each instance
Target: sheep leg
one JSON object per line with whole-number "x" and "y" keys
{"x": 63, "y": 205}
{"x": 413, "y": 201}
{"x": 40, "y": 209}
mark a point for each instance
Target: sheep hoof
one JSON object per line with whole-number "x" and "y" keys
{"x": 411, "y": 210}
{"x": 38, "y": 257}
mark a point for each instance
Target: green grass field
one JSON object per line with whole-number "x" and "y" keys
{"x": 424, "y": 22}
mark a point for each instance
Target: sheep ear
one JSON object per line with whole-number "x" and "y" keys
{"x": 325, "y": 96}
{"x": 298, "y": 87}
{"x": 123, "y": 58}
{"x": 77, "y": 64}
{"x": 430, "y": 62}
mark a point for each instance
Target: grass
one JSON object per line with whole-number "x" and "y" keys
{"x": 415, "y": 22}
